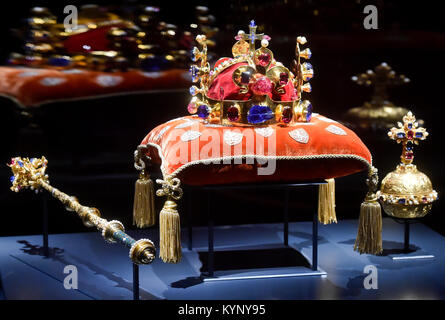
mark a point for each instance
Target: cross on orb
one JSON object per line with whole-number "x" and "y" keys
{"x": 409, "y": 133}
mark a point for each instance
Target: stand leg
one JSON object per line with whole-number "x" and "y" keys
{"x": 45, "y": 225}
{"x": 315, "y": 240}
{"x": 210, "y": 235}
{"x": 286, "y": 217}
{"x": 189, "y": 219}
{"x": 406, "y": 240}
{"x": 135, "y": 282}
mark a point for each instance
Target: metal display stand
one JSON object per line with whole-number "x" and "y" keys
{"x": 45, "y": 225}
{"x": 46, "y": 246}
{"x": 406, "y": 255}
{"x": 314, "y": 269}
{"x": 135, "y": 281}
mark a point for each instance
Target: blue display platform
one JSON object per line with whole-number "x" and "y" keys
{"x": 105, "y": 271}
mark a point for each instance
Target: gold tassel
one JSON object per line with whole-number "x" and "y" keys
{"x": 170, "y": 232}
{"x": 144, "y": 214}
{"x": 169, "y": 221}
{"x": 326, "y": 202}
{"x": 369, "y": 235}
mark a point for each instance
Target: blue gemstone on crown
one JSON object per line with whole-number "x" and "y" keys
{"x": 419, "y": 134}
{"x": 309, "y": 113}
{"x": 401, "y": 135}
{"x": 307, "y": 66}
{"x": 259, "y": 114}
{"x": 192, "y": 90}
{"x": 401, "y": 201}
{"x": 410, "y": 125}
{"x": 203, "y": 111}
{"x": 194, "y": 70}
{"x": 12, "y": 179}
{"x": 192, "y": 54}
{"x": 20, "y": 163}
{"x": 252, "y": 23}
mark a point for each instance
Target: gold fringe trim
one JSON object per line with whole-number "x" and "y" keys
{"x": 144, "y": 214}
{"x": 326, "y": 202}
{"x": 170, "y": 233}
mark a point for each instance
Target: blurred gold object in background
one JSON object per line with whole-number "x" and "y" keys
{"x": 379, "y": 112}
{"x": 132, "y": 37}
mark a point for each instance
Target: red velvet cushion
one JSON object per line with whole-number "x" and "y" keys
{"x": 34, "y": 86}
{"x": 320, "y": 149}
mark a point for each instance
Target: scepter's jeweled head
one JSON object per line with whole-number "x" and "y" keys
{"x": 28, "y": 173}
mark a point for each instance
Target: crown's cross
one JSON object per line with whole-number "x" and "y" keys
{"x": 252, "y": 36}
{"x": 381, "y": 78}
{"x": 409, "y": 133}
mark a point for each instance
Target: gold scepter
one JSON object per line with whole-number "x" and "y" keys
{"x": 30, "y": 173}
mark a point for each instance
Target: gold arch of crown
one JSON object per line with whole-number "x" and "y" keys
{"x": 260, "y": 65}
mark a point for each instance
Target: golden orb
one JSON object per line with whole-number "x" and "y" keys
{"x": 406, "y": 192}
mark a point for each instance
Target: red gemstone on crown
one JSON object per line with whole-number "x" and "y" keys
{"x": 409, "y": 155}
{"x": 262, "y": 86}
{"x": 284, "y": 78}
{"x": 286, "y": 116}
{"x": 233, "y": 113}
{"x": 264, "y": 59}
{"x": 410, "y": 135}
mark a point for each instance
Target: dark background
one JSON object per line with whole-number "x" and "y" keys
{"x": 89, "y": 144}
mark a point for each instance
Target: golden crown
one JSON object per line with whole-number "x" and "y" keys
{"x": 252, "y": 88}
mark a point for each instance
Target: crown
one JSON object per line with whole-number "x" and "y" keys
{"x": 252, "y": 88}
